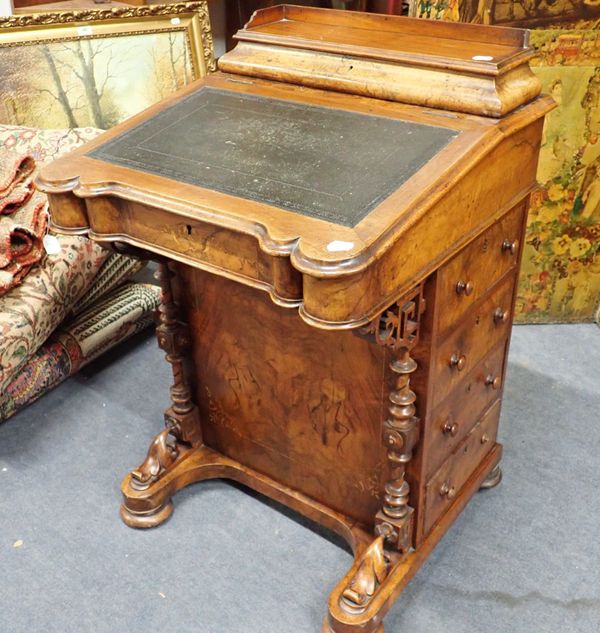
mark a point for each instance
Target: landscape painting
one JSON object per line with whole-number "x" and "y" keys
{"x": 102, "y": 70}
{"x": 95, "y": 83}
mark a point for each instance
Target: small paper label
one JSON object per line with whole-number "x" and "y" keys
{"x": 84, "y": 30}
{"x": 175, "y": 21}
{"x": 51, "y": 244}
{"x": 482, "y": 58}
{"x": 339, "y": 246}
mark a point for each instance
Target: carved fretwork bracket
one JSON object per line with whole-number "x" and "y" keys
{"x": 373, "y": 570}
{"x": 398, "y": 328}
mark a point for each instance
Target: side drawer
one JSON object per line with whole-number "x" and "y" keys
{"x": 480, "y": 331}
{"x": 452, "y": 420}
{"x": 446, "y": 484}
{"x": 466, "y": 277}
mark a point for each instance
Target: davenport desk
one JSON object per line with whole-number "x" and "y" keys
{"x": 338, "y": 214}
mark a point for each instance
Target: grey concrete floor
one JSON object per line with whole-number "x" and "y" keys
{"x": 523, "y": 558}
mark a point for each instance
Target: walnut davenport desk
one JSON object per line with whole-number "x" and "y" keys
{"x": 338, "y": 214}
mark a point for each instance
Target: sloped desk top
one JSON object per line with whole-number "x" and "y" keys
{"x": 312, "y": 213}
{"x": 324, "y": 163}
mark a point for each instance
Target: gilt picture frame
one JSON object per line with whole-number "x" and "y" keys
{"x": 97, "y": 67}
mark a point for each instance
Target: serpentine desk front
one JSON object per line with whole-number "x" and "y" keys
{"x": 338, "y": 215}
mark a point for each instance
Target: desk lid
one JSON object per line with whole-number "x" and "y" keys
{"x": 461, "y": 67}
{"x": 324, "y": 163}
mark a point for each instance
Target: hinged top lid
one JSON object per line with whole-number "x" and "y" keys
{"x": 461, "y": 67}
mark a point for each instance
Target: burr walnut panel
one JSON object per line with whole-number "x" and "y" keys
{"x": 252, "y": 363}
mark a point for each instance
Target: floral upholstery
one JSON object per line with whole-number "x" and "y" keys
{"x": 72, "y": 284}
{"x": 118, "y": 315}
{"x": 30, "y": 312}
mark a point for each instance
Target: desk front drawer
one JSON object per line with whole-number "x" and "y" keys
{"x": 446, "y": 484}
{"x": 452, "y": 420}
{"x": 480, "y": 330}
{"x": 467, "y": 277}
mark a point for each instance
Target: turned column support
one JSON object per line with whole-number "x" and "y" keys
{"x": 398, "y": 329}
{"x": 173, "y": 338}
{"x": 181, "y": 418}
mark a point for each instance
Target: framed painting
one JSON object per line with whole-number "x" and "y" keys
{"x": 559, "y": 280}
{"x": 97, "y": 67}
{"x": 523, "y": 13}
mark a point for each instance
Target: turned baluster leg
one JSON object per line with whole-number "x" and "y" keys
{"x": 173, "y": 338}
{"x": 401, "y": 431}
{"x": 182, "y": 423}
{"x": 355, "y": 607}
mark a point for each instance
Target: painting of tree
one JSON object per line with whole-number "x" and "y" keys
{"x": 90, "y": 82}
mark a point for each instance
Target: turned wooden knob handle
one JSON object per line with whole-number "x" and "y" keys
{"x": 450, "y": 428}
{"x": 485, "y": 438}
{"x": 500, "y": 315}
{"x": 458, "y": 360}
{"x": 464, "y": 288}
{"x": 510, "y": 247}
{"x": 492, "y": 381}
{"x": 447, "y": 490}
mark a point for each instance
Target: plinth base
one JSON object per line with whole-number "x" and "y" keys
{"x": 362, "y": 612}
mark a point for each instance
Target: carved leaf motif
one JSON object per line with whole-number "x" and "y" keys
{"x": 162, "y": 453}
{"x": 373, "y": 570}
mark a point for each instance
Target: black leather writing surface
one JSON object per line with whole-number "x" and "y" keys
{"x": 319, "y": 162}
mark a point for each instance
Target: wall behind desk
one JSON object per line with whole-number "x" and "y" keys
{"x": 560, "y": 275}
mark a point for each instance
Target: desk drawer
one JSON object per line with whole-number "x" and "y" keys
{"x": 481, "y": 329}
{"x": 467, "y": 277}
{"x": 452, "y": 420}
{"x": 446, "y": 484}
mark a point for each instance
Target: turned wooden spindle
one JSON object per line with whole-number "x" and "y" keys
{"x": 398, "y": 328}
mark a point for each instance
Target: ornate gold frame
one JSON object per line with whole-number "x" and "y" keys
{"x": 190, "y": 17}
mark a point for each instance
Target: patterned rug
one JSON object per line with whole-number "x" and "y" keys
{"x": 30, "y": 312}
{"x": 23, "y": 219}
{"x": 120, "y": 314}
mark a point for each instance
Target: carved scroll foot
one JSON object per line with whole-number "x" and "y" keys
{"x": 142, "y": 506}
{"x": 353, "y": 604}
{"x": 379, "y": 575}
{"x": 492, "y": 480}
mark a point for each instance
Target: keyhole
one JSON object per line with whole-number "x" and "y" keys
{"x": 188, "y": 229}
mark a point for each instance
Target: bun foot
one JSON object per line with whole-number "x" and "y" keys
{"x": 145, "y": 520}
{"x": 492, "y": 480}
{"x": 327, "y": 628}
